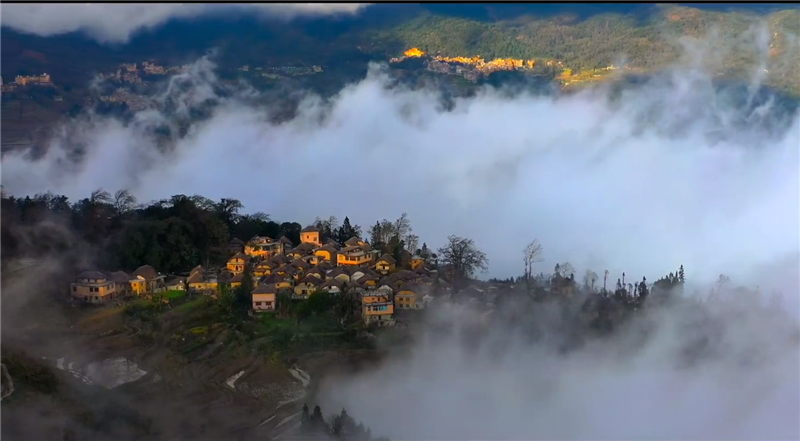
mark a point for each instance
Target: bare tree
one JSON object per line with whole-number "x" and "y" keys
{"x": 722, "y": 282}
{"x": 100, "y": 196}
{"x": 402, "y": 226}
{"x": 124, "y": 202}
{"x": 589, "y": 279}
{"x": 566, "y": 269}
{"x": 530, "y": 255}
{"x": 463, "y": 257}
{"x": 260, "y": 216}
{"x": 605, "y": 279}
{"x": 411, "y": 242}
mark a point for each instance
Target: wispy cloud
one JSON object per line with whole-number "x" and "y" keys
{"x": 672, "y": 172}
{"x": 116, "y": 23}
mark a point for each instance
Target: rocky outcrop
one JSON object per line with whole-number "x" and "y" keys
{"x": 6, "y": 383}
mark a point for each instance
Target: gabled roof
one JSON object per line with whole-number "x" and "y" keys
{"x": 388, "y": 259}
{"x": 92, "y": 275}
{"x": 310, "y": 229}
{"x": 353, "y": 241}
{"x": 242, "y": 256}
{"x": 147, "y": 272}
{"x": 119, "y": 276}
{"x": 266, "y": 288}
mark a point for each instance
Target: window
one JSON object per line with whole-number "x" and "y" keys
{"x": 74, "y": 289}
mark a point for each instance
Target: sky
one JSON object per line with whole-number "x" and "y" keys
{"x": 117, "y": 23}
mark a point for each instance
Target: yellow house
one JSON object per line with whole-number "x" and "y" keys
{"x": 377, "y": 307}
{"x": 237, "y": 262}
{"x": 417, "y": 262}
{"x": 385, "y": 264}
{"x": 235, "y": 280}
{"x": 263, "y": 247}
{"x": 410, "y": 296}
{"x": 154, "y": 282}
{"x": 201, "y": 280}
{"x": 94, "y": 287}
{"x": 369, "y": 282}
{"x": 307, "y": 286}
{"x": 327, "y": 253}
{"x": 354, "y": 256}
{"x": 316, "y": 272}
{"x": 264, "y": 297}
{"x": 138, "y": 285}
{"x": 310, "y": 235}
{"x": 281, "y": 282}
{"x": 264, "y": 268}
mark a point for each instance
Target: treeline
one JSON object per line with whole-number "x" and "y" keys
{"x": 339, "y": 426}
{"x": 173, "y": 235}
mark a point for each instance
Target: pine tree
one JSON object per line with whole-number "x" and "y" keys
{"x": 305, "y": 420}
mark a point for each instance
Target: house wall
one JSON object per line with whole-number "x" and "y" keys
{"x": 384, "y": 266}
{"x": 264, "y": 302}
{"x": 324, "y": 254}
{"x": 310, "y": 237}
{"x": 94, "y": 292}
{"x": 343, "y": 259}
{"x": 236, "y": 266}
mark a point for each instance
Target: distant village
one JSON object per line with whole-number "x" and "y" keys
{"x": 474, "y": 68}
{"x": 25, "y": 81}
{"x": 277, "y": 267}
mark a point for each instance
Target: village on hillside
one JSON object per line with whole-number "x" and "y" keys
{"x": 276, "y": 267}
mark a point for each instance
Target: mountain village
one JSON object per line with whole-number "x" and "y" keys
{"x": 276, "y": 267}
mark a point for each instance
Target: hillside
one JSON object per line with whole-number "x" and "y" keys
{"x": 574, "y": 43}
{"x": 581, "y": 36}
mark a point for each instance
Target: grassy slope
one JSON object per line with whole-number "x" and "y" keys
{"x": 603, "y": 39}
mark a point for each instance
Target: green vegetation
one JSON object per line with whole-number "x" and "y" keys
{"x": 603, "y": 40}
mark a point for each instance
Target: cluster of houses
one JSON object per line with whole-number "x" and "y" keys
{"x": 277, "y": 266}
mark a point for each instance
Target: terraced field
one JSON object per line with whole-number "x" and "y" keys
{"x": 209, "y": 391}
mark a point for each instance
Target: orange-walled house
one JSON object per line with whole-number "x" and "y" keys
{"x": 377, "y": 308}
{"x": 417, "y": 262}
{"x": 310, "y": 234}
{"x": 357, "y": 255}
{"x": 327, "y": 253}
{"x": 411, "y": 296}
{"x": 265, "y": 297}
{"x": 237, "y": 263}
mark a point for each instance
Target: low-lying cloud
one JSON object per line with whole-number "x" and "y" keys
{"x": 116, "y": 23}
{"x": 706, "y": 372}
{"x": 671, "y": 172}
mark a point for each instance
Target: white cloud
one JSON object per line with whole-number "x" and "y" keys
{"x": 116, "y": 23}
{"x": 672, "y": 172}
{"x": 666, "y": 174}
{"x": 641, "y": 383}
